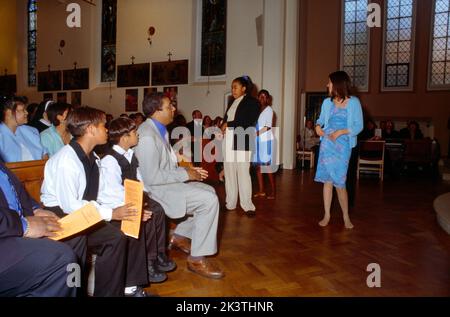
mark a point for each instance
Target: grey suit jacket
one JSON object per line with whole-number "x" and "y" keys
{"x": 158, "y": 165}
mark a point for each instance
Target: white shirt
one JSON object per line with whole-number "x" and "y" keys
{"x": 112, "y": 193}
{"x": 265, "y": 120}
{"x": 311, "y": 139}
{"x": 231, "y": 113}
{"x": 65, "y": 182}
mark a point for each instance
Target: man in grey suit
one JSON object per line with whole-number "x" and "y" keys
{"x": 167, "y": 183}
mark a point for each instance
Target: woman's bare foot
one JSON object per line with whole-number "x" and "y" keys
{"x": 324, "y": 222}
{"x": 348, "y": 224}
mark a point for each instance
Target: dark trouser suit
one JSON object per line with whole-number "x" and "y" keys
{"x": 42, "y": 271}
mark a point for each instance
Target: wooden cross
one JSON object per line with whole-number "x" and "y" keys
{"x": 132, "y": 60}
{"x": 170, "y": 55}
{"x": 75, "y": 65}
{"x": 48, "y": 67}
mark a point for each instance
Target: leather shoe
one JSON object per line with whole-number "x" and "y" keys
{"x": 154, "y": 275}
{"x": 250, "y": 213}
{"x": 180, "y": 243}
{"x": 164, "y": 263}
{"x": 140, "y": 292}
{"x": 205, "y": 268}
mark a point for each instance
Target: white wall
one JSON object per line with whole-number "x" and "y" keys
{"x": 174, "y": 21}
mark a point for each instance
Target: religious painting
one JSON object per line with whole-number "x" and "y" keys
{"x": 172, "y": 94}
{"x": 314, "y": 102}
{"x": 50, "y": 80}
{"x": 109, "y": 33}
{"x": 61, "y": 97}
{"x": 213, "y": 37}
{"x": 76, "y": 79}
{"x": 8, "y": 85}
{"x": 133, "y": 75}
{"x": 76, "y": 99}
{"x": 47, "y": 96}
{"x": 170, "y": 73}
{"x": 131, "y": 100}
{"x": 150, "y": 90}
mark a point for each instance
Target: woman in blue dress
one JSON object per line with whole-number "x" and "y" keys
{"x": 339, "y": 124}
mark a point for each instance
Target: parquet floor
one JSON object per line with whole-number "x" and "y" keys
{"x": 283, "y": 252}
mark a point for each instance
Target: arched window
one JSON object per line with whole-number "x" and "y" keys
{"x": 439, "y": 68}
{"x": 32, "y": 33}
{"x": 355, "y": 42}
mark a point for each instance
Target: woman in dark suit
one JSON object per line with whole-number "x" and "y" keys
{"x": 241, "y": 115}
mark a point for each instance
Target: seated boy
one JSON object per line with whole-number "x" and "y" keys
{"x": 71, "y": 180}
{"x": 119, "y": 164}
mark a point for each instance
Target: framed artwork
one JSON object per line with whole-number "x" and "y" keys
{"x": 76, "y": 79}
{"x": 131, "y": 100}
{"x": 314, "y": 102}
{"x": 170, "y": 73}
{"x": 48, "y": 96}
{"x": 150, "y": 90}
{"x": 172, "y": 93}
{"x": 133, "y": 75}
{"x": 61, "y": 97}
{"x": 76, "y": 99}
{"x": 50, "y": 81}
{"x": 8, "y": 84}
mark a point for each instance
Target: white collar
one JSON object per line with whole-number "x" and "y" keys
{"x": 121, "y": 151}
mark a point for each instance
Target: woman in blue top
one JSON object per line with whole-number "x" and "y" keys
{"x": 54, "y": 138}
{"x": 18, "y": 142}
{"x": 339, "y": 124}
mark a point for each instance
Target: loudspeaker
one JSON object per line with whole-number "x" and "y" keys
{"x": 260, "y": 30}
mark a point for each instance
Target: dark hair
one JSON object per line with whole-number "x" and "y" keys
{"x": 79, "y": 119}
{"x": 265, "y": 92}
{"x": 246, "y": 82}
{"x": 141, "y": 115}
{"x": 342, "y": 86}
{"x": 118, "y": 128}
{"x": 56, "y": 109}
{"x": 41, "y": 109}
{"x": 152, "y": 103}
{"x": 8, "y": 104}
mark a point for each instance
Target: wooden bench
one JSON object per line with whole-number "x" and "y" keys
{"x": 30, "y": 174}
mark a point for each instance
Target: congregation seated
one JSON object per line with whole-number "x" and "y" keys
{"x": 308, "y": 138}
{"x": 389, "y": 132}
{"x": 369, "y": 132}
{"x": 18, "y": 142}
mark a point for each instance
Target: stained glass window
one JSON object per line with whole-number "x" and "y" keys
{"x": 440, "y": 46}
{"x": 399, "y": 44}
{"x": 32, "y": 41}
{"x": 355, "y": 48}
{"x": 109, "y": 31}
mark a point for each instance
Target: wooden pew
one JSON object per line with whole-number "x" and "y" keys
{"x": 30, "y": 174}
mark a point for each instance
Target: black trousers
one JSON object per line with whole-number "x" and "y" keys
{"x": 110, "y": 246}
{"x": 155, "y": 229}
{"x": 42, "y": 271}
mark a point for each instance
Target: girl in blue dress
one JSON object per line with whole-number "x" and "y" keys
{"x": 339, "y": 124}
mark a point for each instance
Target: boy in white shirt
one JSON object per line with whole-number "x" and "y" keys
{"x": 119, "y": 164}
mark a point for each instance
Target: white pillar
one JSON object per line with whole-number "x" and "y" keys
{"x": 280, "y": 66}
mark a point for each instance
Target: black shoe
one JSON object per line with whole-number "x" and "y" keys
{"x": 154, "y": 275}
{"x": 164, "y": 263}
{"x": 250, "y": 213}
{"x": 140, "y": 292}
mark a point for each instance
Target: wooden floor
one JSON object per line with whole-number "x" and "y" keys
{"x": 283, "y": 252}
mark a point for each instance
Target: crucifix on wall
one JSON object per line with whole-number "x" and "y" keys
{"x": 170, "y": 56}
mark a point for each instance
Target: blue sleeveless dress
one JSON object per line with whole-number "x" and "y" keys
{"x": 334, "y": 156}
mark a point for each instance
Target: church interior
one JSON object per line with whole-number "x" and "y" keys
{"x": 109, "y": 54}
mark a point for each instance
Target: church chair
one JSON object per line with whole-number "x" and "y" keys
{"x": 371, "y": 157}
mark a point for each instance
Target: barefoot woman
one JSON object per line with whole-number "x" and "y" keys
{"x": 339, "y": 123}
